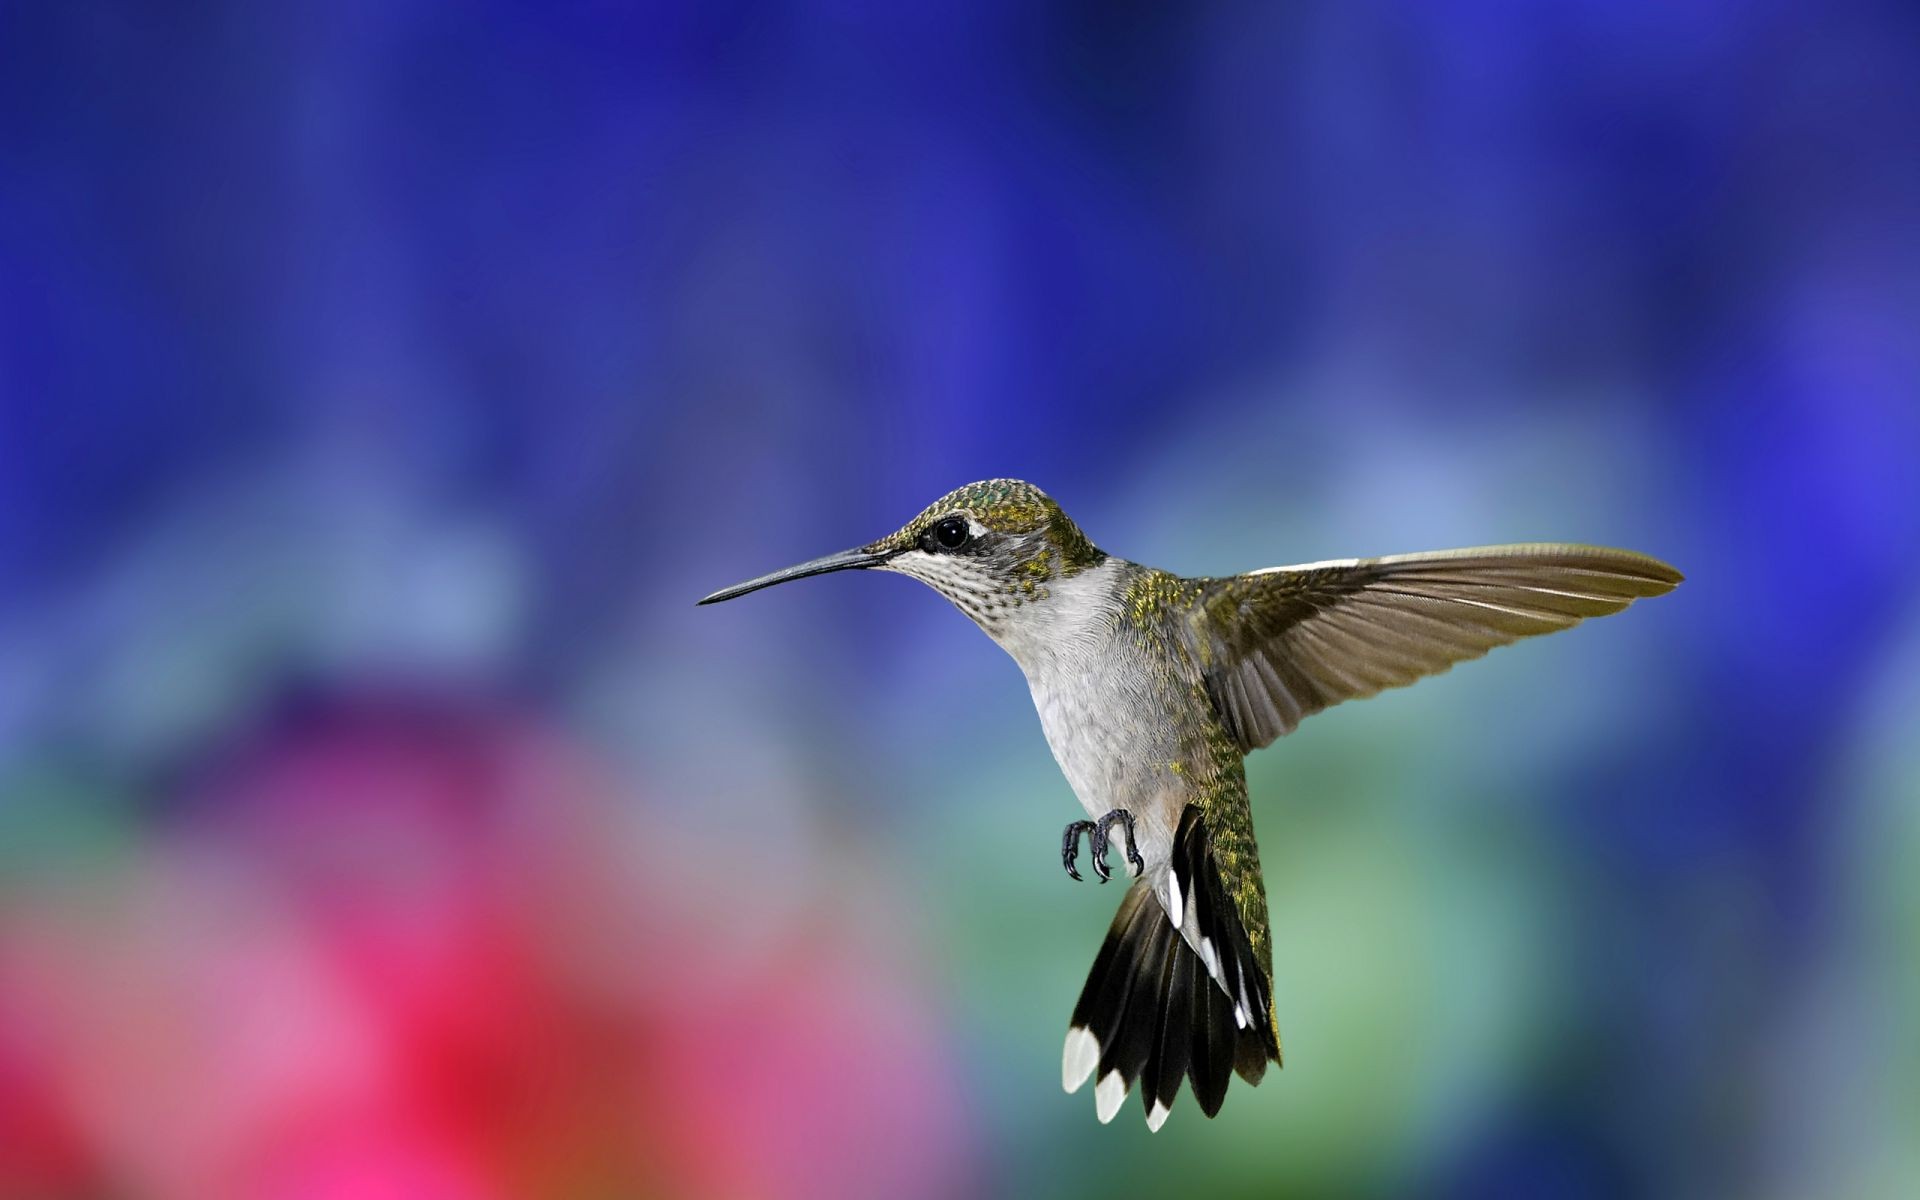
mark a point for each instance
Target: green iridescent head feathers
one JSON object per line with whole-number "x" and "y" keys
{"x": 1009, "y": 506}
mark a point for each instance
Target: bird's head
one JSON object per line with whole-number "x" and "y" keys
{"x": 994, "y": 548}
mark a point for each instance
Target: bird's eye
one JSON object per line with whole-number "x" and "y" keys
{"x": 951, "y": 533}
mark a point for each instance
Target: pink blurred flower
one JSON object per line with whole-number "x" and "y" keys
{"x": 417, "y": 951}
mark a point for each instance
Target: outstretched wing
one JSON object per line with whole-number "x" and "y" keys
{"x": 1279, "y": 644}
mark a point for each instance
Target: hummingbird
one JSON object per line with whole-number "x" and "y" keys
{"x": 1153, "y": 687}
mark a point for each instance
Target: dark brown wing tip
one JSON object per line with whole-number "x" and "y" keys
{"x": 1659, "y": 576}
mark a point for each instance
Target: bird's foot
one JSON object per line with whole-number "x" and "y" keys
{"x": 1097, "y": 844}
{"x": 1070, "y": 847}
{"x": 1097, "y": 833}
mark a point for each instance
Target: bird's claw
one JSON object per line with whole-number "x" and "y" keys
{"x": 1124, "y": 819}
{"x": 1097, "y": 832}
{"x": 1070, "y": 846}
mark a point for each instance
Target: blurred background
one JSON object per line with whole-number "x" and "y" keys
{"x": 381, "y": 383}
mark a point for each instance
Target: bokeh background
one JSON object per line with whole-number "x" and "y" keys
{"x": 382, "y": 382}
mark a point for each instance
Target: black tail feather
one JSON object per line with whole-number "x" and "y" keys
{"x": 1152, "y": 1012}
{"x": 1172, "y": 1048}
{"x": 1234, "y": 967}
{"x": 1250, "y": 1057}
{"x": 1124, "y": 1055}
{"x": 1103, "y": 1003}
{"x": 1214, "y": 1038}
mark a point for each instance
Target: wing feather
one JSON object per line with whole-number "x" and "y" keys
{"x": 1281, "y": 644}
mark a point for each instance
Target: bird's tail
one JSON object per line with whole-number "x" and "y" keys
{"x": 1152, "y": 1012}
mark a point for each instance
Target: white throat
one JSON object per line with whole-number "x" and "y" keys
{"x": 1069, "y": 624}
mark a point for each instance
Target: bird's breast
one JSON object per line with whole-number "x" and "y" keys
{"x": 1113, "y": 732}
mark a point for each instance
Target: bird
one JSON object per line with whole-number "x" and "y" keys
{"x": 1152, "y": 688}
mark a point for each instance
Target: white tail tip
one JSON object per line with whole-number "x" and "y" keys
{"x": 1107, "y": 1095}
{"x": 1081, "y": 1056}
{"x": 1156, "y": 1117}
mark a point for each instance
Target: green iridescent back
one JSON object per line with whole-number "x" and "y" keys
{"x": 1155, "y": 606}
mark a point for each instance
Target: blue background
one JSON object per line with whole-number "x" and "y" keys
{"x": 380, "y": 383}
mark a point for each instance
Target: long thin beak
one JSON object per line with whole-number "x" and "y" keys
{"x": 846, "y": 560}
